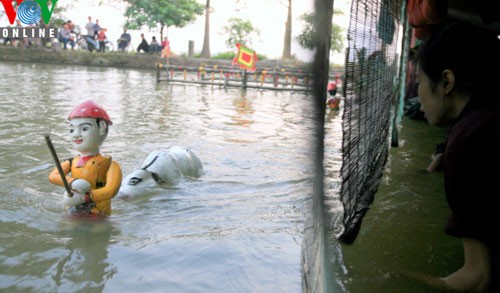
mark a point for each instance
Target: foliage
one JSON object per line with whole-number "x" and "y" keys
{"x": 230, "y": 56}
{"x": 306, "y": 37}
{"x": 261, "y": 57}
{"x": 56, "y": 22}
{"x": 224, "y": 56}
{"x": 239, "y": 31}
{"x": 57, "y": 19}
{"x": 161, "y": 13}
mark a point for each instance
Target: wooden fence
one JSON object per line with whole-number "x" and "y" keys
{"x": 274, "y": 79}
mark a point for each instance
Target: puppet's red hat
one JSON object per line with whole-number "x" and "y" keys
{"x": 90, "y": 109}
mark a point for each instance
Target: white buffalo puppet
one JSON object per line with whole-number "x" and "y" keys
{"x": 161, "y": 168}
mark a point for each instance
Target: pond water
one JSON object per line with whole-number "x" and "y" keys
{"x": 403, "y": 231}
{"x": 238, "y": 228}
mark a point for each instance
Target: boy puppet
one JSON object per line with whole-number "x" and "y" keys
{"x": 93, "y": 178}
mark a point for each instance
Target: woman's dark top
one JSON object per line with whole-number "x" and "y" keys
{"x": 472, "y": 176}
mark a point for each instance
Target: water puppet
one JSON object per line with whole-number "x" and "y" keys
{"x": 334, "y": 101}
{"x": 91, "y": 179}
{"x": 161, "y": 167}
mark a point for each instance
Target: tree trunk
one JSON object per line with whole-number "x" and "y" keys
{"x": 205, "y": 52}
{"x": 287, "y": 46}
{"x": 161, "y": 33}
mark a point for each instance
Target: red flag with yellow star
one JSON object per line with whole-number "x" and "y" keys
{"x": 245, "y": 57}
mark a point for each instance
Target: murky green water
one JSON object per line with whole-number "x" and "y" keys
{"x": 403, "y": 229}
{"x": 238, "y": 228}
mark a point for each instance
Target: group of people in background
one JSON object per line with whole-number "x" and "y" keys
{"x": 153, "y": 46}
{"x": 22, "y": 41}
{"x": 96, "y": 36}
{"x": 93, "y": 38}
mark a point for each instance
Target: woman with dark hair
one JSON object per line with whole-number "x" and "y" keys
{"x": 458, "y": 75}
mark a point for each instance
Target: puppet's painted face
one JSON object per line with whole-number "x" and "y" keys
{"x": 85, "y": 135}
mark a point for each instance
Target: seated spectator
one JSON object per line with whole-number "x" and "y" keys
{"x": 8, "y": 40}
{"x": 65, "y": 36}
{"x": 154, "y": 46}
{"x": 144, "y": 46}
{"x": 124, "y": 40}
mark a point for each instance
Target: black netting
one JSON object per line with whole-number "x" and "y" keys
{"x": 371, "y": 77}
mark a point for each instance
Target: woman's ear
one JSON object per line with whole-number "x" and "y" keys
{"x": 448, "y": 78}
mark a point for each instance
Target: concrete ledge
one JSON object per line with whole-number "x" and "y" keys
{"x": 125, "y": 59}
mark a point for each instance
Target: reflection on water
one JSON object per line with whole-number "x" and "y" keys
{"x": 238, "y": 228}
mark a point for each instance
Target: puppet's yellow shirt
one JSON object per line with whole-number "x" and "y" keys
{"x": 103, "y": 174}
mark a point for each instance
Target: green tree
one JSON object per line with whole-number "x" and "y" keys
{"x": 239, "y": 31}
{"x": 287, "y": 40}
{"x": 161, "y": 13}
{"x": 306, "y": 37}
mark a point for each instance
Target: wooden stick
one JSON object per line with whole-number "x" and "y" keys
{"x": 58, "y": 165}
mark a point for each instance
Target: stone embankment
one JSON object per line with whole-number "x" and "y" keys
{"x": 126, "y": 59}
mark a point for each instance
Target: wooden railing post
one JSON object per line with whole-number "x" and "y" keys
{"x": 157, "y": 72}
{"x": 244, "y": 79}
